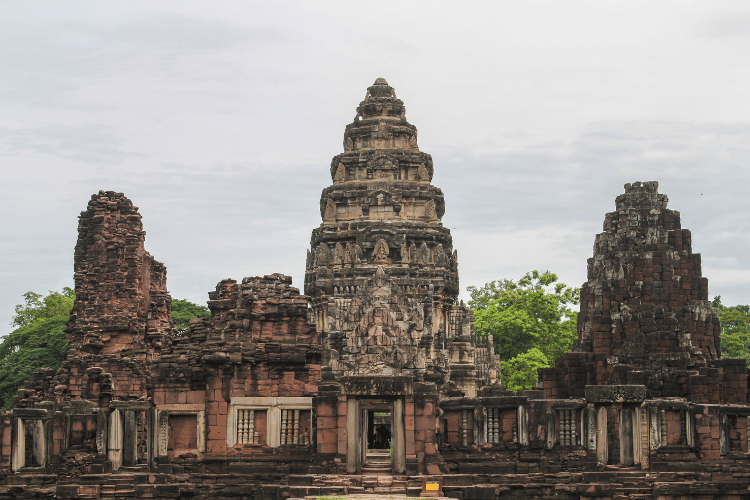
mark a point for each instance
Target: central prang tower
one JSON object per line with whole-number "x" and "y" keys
{"x": 382, "y": 273}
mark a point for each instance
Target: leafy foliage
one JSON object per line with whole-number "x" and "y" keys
{"x": 735, "y": 329}
{"x": 529, "y": 320}
{"x": 38, "y": 341}
{"x": 183, "y": 311}
{"x": 37, "y": 307}
{"x": 520, "y": 372}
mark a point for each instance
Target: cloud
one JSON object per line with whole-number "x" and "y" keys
{"x": 733, "y": 25}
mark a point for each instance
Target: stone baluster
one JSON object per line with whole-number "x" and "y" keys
{"x": 251, "y": 427}
{"x": 663, "y": 421}
{"x": 256, "y": 438}
{"x": 563, "y": 414}
{"x": 283, "y": 426}
{"x": 464, "y": 429}
{"x": 241, "y": 435}
{"x": 498, "y": 422}
{"x": 295, "y": 437}
{"x": 490, "y": 429}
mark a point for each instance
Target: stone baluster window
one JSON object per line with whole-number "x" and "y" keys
{"x": 566, "y": 434}
{"x": 295, "y": 427}
{"x": 270, "y": 421}
{"x": 458, "y": 427}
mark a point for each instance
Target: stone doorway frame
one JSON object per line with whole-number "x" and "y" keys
{"x": 357, "y": 409}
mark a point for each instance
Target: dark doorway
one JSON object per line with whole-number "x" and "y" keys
{"x": 379, "y": 430}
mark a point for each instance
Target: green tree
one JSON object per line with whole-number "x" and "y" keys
{"x": 38, "y": 341}
{"x": 37, "y": 307}
{"x": 520, "y": 372}
{"x": 183, "y": 311}
{"x": 735, "y": 329}
{"x": 530, "y": 314}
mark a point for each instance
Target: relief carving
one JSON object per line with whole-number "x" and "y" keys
{"x": 338, "y": 255}
{"x": 348, "y": 144}
{"x": 440, "y": 257}
{"x": 340, "y": 173}
{"x": 380, "y": 254}
{"x": 413, "y": 253}
{"x": 422, "y": 174}
{"x": 404, "y": 254}
{"x": 163, "y": 432}
{"x": 330, "y": 214}
{"x": 424, "y": 254}
{"x": 348, "y": 254}
{"x": 357, "y": 254}
{"x": 322, "y": 254}
{"x": 429, "y": 210}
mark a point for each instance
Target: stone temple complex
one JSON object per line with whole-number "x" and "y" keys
{"x": 374, "y": 380}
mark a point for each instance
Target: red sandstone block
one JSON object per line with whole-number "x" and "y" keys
{"x": 196, "y": 397}
{"x": 159, "y": 398}
{"x": 409, "y": 408}
{"x": 326, "y": 423}
{"x": 327, "y": 447}
{"x": 326, "y": 410}
{"x": 217, "y": 432}
{"x": 409, "y": 423}
{"x": 216, "y": 446}
{"x": 329, "y": 436}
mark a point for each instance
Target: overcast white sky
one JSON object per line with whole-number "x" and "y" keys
{"x": 219, "y": 120}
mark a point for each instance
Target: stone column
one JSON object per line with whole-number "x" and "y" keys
{"x": 398, "y": 447}
{"x": 273, "y": 427}
{"x": 602, "y": 451}
{"x": 19, "y": 454}
{"x": 550, "y": 429}
{"x": 626, "y": 436}
{"x": 352, "y": 434}
{"x": 114, "y": 444}
{"x": 591, "y": 427}
{"x": 523, "y": 426}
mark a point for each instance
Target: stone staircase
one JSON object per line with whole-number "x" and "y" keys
{"x": 377, "y": 463}
{"x": 313, "y": 486}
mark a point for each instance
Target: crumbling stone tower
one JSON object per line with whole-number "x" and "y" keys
{"x": 645, "y": 316}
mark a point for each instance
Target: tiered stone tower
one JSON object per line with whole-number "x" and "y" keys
{"x": 382, "y": 273}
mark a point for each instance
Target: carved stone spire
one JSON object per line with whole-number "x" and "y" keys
{"x": 380, "y": 205}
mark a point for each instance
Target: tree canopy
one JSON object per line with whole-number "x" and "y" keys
{"x": 529, "y": 320}
{"x": 183, "y": 311}
{"x": 735, "y": 329}
{"x": 39, "y": 341}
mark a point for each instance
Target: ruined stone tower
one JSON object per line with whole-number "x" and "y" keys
{"x": 645, "y": 316}
{"x": 382, "y": 273}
